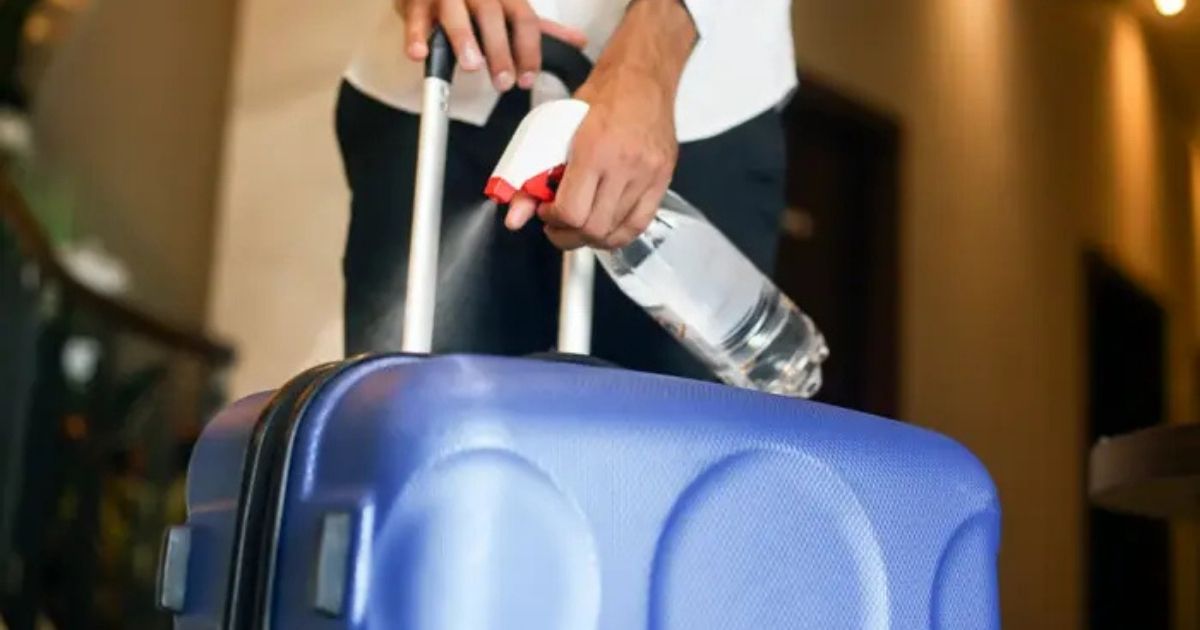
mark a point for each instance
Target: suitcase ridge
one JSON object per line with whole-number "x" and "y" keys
{"x": 259, "y": 476}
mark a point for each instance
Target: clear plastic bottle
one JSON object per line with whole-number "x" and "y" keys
{"x": 711, "y": 298}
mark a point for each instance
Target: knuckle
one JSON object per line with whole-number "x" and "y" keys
{"x": 575, "y": 220}
{"x": 586, "y": 155}
{"x": 526, "y": 21}
{"x": 529, "y": 51}
{"x": 595, "y": 233}
{"x": 529, "y": 61}
{"x": 629, "y": 155}
{"x": 618, "y": 240}
{"x": 573, "y": 215}
{"x": 522, "y": 15}
{"x": 651, "y": 161}
{"x": 459, "y": 34}
{"x": 605, "y": 151}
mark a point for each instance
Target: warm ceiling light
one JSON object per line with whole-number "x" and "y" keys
{"x": 1170, "y": 7}
{"x": 38, "y": 28}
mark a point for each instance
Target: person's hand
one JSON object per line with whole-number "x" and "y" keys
{"x": 511, "y": 60}
{"x": 623, "y": 154}
{"x": 621, "y": 161}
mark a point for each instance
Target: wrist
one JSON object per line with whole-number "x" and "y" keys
{"x": 672, "y": 17}
{"x": 653, "y": 42}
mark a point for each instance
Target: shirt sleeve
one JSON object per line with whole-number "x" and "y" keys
{"x": 702, "y": 12}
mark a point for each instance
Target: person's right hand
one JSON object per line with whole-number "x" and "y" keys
{"x": 510, "y": 60}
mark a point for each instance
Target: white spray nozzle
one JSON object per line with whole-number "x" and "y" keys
{"x": 537, "y": 154}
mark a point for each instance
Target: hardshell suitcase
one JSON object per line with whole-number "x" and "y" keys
{"x": 468, "y": 492}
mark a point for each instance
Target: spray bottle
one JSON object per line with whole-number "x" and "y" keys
{"x": 682, "y": 270}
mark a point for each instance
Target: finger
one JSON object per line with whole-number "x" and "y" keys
{"x": 573, "y": 202}
{"x": 489, "y": 17}
{"x": 545, "y": 212}
{"x": 548, "y": 213}
{"x": 520, "y": 211}
{"x": 564, "y": 238}
{"x": 417, "y": 23}
{"x": 647, "y": 207}
{"x": 637, "y": 222}
{"x": 621, "y": 237}
{"x": 628, "y": 203}
{"x": 527, "y": 41}
{"x": 604, "y": 215}
{"x": 457, "y": 21}
{"x": 568, "y": 34}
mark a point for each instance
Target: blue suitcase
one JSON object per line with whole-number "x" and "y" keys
{"x": 471, "y": 493}
{"x": 463, "y": 492}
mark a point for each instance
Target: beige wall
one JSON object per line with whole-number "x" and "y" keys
{"x": 131, "y": 109}
{"x": 1033, "y": 129}
{"x": 276, "y": 280}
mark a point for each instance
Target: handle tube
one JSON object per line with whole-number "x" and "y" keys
{"x": 421, "y": 286}
{"x": 440, "y": 62}
{"x": 575, "y": 307}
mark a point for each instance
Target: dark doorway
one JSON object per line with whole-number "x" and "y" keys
{"x": 838, "y": 253}
{"x": 1128, "y": 556}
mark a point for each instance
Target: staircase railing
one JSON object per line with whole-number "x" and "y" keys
{"x": 100, "y": 403}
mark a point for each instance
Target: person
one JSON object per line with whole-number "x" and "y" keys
{"x": 684, "y": 93}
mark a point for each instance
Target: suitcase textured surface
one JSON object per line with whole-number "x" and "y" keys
{"x": 463, "y": 493}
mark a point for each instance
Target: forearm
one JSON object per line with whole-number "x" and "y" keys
{"x": 624, "y": 152}
{"x": 654, "y": 40}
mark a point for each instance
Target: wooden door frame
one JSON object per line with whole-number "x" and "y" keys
{"x": 822, "y": 97}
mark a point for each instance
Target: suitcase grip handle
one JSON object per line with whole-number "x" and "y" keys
{"x": 440, "y": 61}
{"x": 559, "y": 58}
{"x": 566, "y": 62}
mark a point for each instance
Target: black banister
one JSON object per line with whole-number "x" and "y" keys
{"x": 33, "y": 242}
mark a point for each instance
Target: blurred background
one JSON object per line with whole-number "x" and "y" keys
{"x": 993, "y": 216}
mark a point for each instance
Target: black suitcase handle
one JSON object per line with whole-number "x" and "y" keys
{"x": 559, "y": 58}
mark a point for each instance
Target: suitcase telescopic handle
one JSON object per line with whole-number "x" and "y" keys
{"x": 570, "y": 66}
{"x": 559, "y": 58}
{"x": 575, "y": 311}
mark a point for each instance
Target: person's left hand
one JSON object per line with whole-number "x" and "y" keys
{"x": 624, "y": 151}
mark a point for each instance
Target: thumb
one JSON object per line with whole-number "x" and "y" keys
{"x": 520, "y": 211}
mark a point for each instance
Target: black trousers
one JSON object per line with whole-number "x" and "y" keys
{"x": 498, "y": 291}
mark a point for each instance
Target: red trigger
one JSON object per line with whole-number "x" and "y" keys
{"x": 499, "y": 190}
{"x": 544, "y": 185}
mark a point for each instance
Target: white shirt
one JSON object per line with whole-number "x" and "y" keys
{"x": 742, "y": 65}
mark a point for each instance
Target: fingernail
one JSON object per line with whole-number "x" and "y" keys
{"x": 503, "y": 81}
{"x": 471, "y": 57}
{"x": 526, "y": 80}
{"x": 417, "y": 50}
